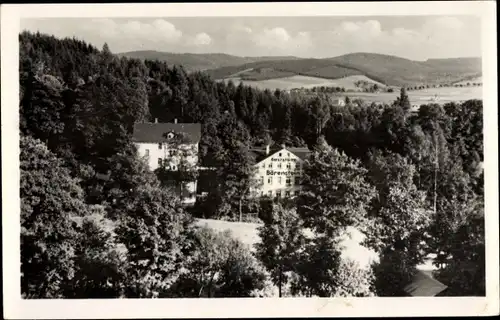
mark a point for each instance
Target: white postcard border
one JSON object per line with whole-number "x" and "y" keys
{"x": 16, "y": 308}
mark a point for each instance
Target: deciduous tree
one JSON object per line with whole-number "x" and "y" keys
{"x": 335, "y": 193}
{"x": 281, "y": 240}
{"x": 219, "y": 266}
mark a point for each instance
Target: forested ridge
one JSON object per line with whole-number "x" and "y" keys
{"x": 96, "y": 223}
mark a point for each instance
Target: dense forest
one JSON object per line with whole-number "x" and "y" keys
{"x": 96, "y": 223}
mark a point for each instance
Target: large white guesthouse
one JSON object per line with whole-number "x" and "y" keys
{"x": 278, "y": 171}
{"x": 158, "y": 144}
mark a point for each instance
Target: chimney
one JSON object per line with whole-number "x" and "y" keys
{"x": 156, "y": 120}
{"x": 283, "y": 146}
{"x": 175, "y": 120}
{"x": 267, "y": 149}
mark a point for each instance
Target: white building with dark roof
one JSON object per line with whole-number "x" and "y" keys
{"x": 169, "y": 145}
{"x": 279, "y": 170}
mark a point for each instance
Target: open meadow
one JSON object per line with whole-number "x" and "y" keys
{"x": 417, "y": 97}
{"x": 425, "y": 96}
{"x": 247, "y": 233}
{"x": 297, "y": 81}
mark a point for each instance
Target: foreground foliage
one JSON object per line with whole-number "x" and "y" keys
{"x": 219, "y": 266}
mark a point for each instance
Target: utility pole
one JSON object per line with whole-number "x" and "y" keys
{"x": 436, "y": 164}
{"x": 241, "y": 202}
{"x": 280, "y": 280}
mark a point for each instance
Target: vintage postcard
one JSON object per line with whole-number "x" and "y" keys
{"x": 249, "y": 160}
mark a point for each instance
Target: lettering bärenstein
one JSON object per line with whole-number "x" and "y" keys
{"x": 281, "y": 173}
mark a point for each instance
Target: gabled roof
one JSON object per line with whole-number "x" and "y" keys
{"x": 424, "y": 285}
{"x": 154, "y": 132}
{"x": 260, "y": 153}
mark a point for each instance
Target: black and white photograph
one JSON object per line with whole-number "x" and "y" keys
{"x": 170, "y": 157}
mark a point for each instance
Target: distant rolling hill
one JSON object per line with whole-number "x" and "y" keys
{"x": 386, "y": 69}
{"x": 198, "y": 62}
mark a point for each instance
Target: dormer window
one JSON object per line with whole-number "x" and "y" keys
{"x": 170, "y": 135}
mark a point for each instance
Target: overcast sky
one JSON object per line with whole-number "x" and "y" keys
{"x": 412, "y": 37}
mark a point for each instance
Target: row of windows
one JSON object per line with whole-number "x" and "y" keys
{"x": 171, "y": 153}
{"x": 288, "y": 180}
{"x": 278, "y": 193}
{"x": 270, "y": 166}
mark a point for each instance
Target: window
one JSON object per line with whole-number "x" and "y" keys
{"x": 279, "y": 180}
{"x": 270, "y": 180}
{"x": 159, "y": 145}
{"x": 278, "y": 194}
{"x": 270, "y": 166}
{"x": 288, "y": 181}
{"x": 174, "y": 167}
{"x": 279, "y": 154}
{"x": 288, "y": 165}
{"x": 159, "y": 162}
{"x": 287, "y": 193}
{"x": 291, "y": 193}
{"x": 170, "y": 135}
{"x": 279, "y": 165}
{"x": 147, "y": 152}
{"x": 261, "y": 180}
{"x": 171, "y": 153}
{"x": 270, "y": 193}
{"x": 264, "y": 165}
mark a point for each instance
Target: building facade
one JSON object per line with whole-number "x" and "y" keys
{"x": 173, "y": 146}
{"x": 278, "y": 171}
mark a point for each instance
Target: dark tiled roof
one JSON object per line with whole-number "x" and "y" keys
{"x": 154, "y": 132}
{"x": 260, "y": 153}
{"x": 424, "y": 285}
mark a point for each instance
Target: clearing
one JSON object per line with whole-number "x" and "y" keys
{"x": 297, "y": 82}
{"x": 247, "y": 233}
{"x": 473, "y": 80}
{"x": 418, "y": 97}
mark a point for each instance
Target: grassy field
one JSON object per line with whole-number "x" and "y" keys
{"x": 473, "y": 80}
{"x": 248, "y": 234}
{"x": 288, "y": 83}
{"x": 417, "y": 97}
{"x": 425, "y": 96}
